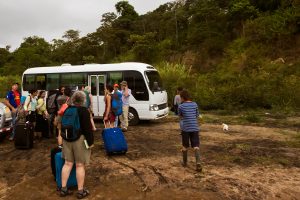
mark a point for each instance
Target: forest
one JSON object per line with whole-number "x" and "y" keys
{"x": 231, "y": 54}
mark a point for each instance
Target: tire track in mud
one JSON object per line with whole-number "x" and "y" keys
{"x": 161, "y": 178}
{"x": 135, "y": 172}
{"x": 151, "y": 168}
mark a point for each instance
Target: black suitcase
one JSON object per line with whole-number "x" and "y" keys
{"x": 24, "y": 136}
{"x": 54, "y": 151}
{"x": 45, "y": 132}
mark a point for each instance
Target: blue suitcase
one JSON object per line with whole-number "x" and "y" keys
{"x": 114, "y": 141}
{"x": 59, "y": 163}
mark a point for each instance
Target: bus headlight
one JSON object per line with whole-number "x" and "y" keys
{"x": 153, "y": 107}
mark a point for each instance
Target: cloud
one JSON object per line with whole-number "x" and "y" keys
{"x": 51, "y": 18}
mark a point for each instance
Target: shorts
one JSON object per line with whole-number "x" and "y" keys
{"x": 111, "y": 117}
{"x": 76, "y": 151}
{"x": 192, "y": 137}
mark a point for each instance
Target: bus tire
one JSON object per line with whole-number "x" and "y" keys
{"x": 133, "y": 117}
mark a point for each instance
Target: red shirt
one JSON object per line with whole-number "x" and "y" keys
{"x": 17, "y": 97}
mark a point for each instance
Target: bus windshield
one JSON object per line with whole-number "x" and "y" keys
{"x": 154, "y": 81}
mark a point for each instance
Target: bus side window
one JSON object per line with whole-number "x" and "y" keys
{"x": 136, "y": 83}
{"x": 40, "y": 82}
{"x": 114, "y": 77}
{"x": 52, "y": 81}
{"x": 29, "y": 82}
{"x": 101, "y": 85}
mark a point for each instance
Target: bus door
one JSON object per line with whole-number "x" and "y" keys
{"x": 97, "y": 84}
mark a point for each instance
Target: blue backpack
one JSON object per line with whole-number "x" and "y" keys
{"x": 70, "y": 124}
{"x": 116, "y": 103}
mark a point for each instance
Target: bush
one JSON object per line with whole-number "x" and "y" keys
{"x": 269, "y": 86}
{"x": 252, "y": 117}
{"x": 173, "y": 76}
{"x": 6, "y": 82}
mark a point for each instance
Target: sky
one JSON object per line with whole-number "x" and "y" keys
{"x": 50, "y": 19}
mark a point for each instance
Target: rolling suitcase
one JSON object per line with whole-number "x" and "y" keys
{"x": 54, "y": 151}
{"x": 114, "y": 141}
{"x": 59, "y": 163}
{"x": 24, "y": 136}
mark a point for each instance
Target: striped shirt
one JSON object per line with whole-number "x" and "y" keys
{"x": 188, "y": 111}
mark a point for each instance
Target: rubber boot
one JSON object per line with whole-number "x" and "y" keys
{"x": 198, "y": 164}
{"x": 184, "y": 158}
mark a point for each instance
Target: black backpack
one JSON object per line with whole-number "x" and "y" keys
{"x": 52, "y": 104}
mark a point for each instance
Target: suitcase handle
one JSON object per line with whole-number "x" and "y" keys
{"x": 105, "y": 124}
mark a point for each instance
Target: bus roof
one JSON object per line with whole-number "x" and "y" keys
{"x": 90, "y": 68}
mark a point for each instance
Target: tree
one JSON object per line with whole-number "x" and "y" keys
{"x": 108, "y": 19}
{"x": 126, "y": 10}
{"x": 4, "y": 56}
{"x": 71, "y": 35}
{"x": 144, "y": 47}
{"x": 33, "y": 52}
{"x": 240, "y": 11}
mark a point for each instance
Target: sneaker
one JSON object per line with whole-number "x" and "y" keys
{"x": 124, "y": 129}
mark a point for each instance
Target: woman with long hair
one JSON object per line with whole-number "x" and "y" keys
{"x": 41, "y": 116}
{"x": 108, "y": 116}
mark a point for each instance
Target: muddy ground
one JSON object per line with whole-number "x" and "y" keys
{"x": 248, "y": 162}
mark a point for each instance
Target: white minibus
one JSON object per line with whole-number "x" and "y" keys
{"x": 147, "y": 102}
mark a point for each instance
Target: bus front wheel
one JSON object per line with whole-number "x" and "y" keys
{"x": 133, "y": 117}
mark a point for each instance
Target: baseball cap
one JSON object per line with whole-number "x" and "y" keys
{"x": 116, "y": 85}
{"x": 124, "y": 83}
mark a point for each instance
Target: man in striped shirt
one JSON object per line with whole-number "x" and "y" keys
{"x": 188, "y": 113}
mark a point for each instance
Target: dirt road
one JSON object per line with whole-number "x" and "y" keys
{"x": 248, "y": 162}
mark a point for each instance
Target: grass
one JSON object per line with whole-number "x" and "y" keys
{"x": 267, "y": 118}
{"x": 294, "y": 142}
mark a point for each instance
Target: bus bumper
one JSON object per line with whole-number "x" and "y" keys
{"x": 160, "y": 114}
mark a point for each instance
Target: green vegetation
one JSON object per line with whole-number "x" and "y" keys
{"x": 294, "y": 142}
{"x": 231, "y": 55}
{"x": 6, "y": 82}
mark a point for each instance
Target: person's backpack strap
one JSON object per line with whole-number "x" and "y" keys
{"x": 55, "y": 100}
{"x": 27, "y": 105}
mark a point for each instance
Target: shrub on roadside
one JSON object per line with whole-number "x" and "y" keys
{"x": 6, "y": 82}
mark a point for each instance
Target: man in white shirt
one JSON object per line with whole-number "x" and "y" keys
{"x": 126, "y": 93}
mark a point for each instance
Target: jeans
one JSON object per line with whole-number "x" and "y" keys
{"x": 14, "y": 124}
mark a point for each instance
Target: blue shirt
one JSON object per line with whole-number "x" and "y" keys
{"x": 11, "y": 98}
{"x": 188, "y": 111}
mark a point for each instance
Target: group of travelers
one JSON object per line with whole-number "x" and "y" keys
{"x": 116, "y": 105}
{"x": 44, "y": 114}
{"x": 36, "y": 110}
{"x": 48, "y": 121}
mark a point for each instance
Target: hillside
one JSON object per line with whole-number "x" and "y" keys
{"x": 237, "y": 53}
